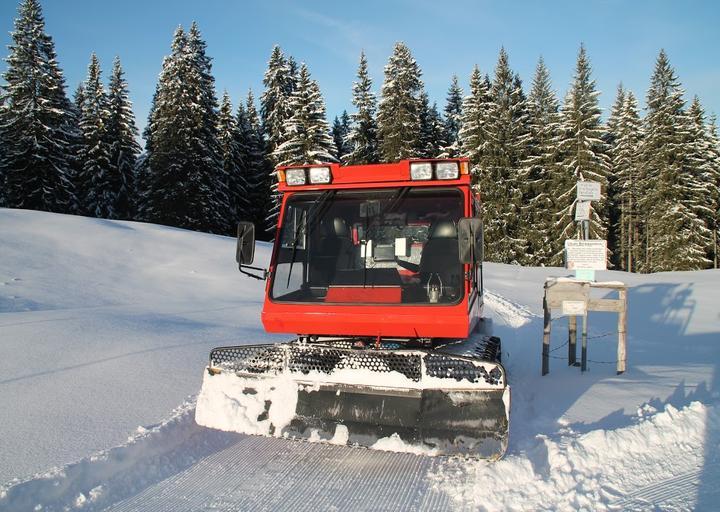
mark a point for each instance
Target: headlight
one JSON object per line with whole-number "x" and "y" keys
{"x": 447, "y": 170}
{"x": 295, "y": 176}
{"x": 319, "y": 174}
{"x": 421, "y": 170}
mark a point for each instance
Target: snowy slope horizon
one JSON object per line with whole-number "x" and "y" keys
{"x": 106, "y": 326}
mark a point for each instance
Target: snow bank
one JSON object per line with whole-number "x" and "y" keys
{"x": 599, "y": 470}
{"x": 148, "y": 456}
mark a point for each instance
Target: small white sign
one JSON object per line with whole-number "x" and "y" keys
{"x": 582, "y": 210}
{"x": 588, "y": 191}
{"x": 574, "y": 307}
{"x": 586, "y": 254}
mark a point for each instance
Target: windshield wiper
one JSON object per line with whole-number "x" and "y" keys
{"x": 311, "y": 217}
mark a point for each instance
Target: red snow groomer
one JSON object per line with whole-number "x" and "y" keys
{"x": 378, "y": 271}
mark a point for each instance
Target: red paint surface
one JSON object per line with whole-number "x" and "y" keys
{"x": 355, "y": 294}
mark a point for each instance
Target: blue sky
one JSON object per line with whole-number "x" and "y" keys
{"x": 446, "y": 37}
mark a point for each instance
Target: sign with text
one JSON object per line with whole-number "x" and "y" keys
{"x": 582, "y": 210}
{"x": 586, "y": 254}
{"x": 588, "y": 191}
{"x": 574, "y": 307}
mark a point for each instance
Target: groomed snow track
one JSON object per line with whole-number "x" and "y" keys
{"x": 257, "y": 473}
{"x": 179, "y": 466}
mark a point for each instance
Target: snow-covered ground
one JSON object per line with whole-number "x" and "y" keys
{"x": 105, "y": 328}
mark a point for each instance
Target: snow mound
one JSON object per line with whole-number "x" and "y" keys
{"x": 150, "y": 455}
{"x": 599, "y": 470}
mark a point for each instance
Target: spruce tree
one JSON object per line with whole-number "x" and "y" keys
{"x": 626, "y": 169}
{"x": 541, "y": 165}
{"x": 258, "y": 168}
{"x": 97, "y": 183}
{"x": 275, "y": 108}
{"x": 701, "y": 185}
{"x": 279, "y": 82}
{"x": 501, "y": 177}
{"x": 674, "y": 235}
{"x": 714, "y": 160}
{"x": 340, "y": 131}
{"x": 453, "y": 120}
{"x": 610, "y": 136}
{"x": 37, "y": 129}
{"x": 308, "y": 134}
{"x": 399, "y": 110}
{"x": 362, "y": 139}
{"x": 233, "y": 162}
{"x": 583, "y": 156}
{"x": 431, "y": 139}
{"x": 124, "y": 148}
{"x": 187, "y": 185}
{"x": 473, "y": 133}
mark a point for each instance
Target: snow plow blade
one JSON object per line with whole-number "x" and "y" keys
{"x": 406, "y": 400}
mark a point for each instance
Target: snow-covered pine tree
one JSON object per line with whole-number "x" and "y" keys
{"x": 187, "y": 187}
{"x": 340, "y": 131}
{"x": 583, "y": 157}
{"x": 37, "y": 129}
{"x": 274, "y": 102}
{"x": 398, "y": 116}
{"x": 473, "y": 132}
{"x": 233, "y": 162}
{"x": 308, "y": 134}
{"x": 124, "y": 148}
{"x": 540, "y": 165}
{"x": 501, "y": 167}
{"x": 279, "y": 82}
{"x": 258, "y": 169}
{"x": 431, "y": 139}
{"x": 701, "y": 185}
{"x": 362, "y": 139}
{"x": 673, "y": 233}
{"x": 453, "y": 120}
{"x": 714, "y": 158}
{"x": 610, "y": 135}
{"x": 210, "y": 178}
{"x": 143, "y": 175}
{"x": 627, "y": 136}
{"x": 97, "y": 183}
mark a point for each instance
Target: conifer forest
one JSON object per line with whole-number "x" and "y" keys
{"x": 209, "y": 161}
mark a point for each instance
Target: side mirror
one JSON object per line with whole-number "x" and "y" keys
{"x": 245, "y": 253}
{"x": 470, "y": 240}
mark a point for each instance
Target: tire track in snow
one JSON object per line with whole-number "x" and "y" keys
{"x": 260, "y": 473}
{"x": 513, "y": 314}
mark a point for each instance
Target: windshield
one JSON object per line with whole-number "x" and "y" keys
{"x": 388, "y": 246}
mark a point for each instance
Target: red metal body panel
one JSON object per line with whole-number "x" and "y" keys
{"x": 355, "y": 294}
{"x": 368, "y": 319}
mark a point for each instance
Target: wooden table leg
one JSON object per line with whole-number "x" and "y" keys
{"x": 546, "y": 338}
{"x": 583, "y": 356}
{"x": 622, "y": 337}
{"x": 572, "y": 340}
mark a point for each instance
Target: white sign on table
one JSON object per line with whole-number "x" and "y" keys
{"x": 574, "y": 307}
{"x": 588, "y": 191}
{"x": 582, "y": 210}
{"x": 586, "y": 254}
